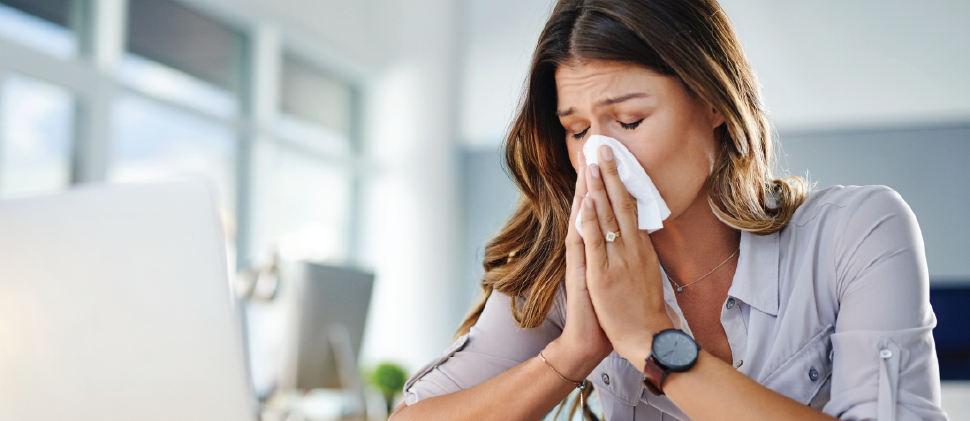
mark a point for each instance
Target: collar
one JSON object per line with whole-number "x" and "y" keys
{"x": 756, "y": 279}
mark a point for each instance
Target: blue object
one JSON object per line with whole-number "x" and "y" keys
{"x": 951, "y": 303}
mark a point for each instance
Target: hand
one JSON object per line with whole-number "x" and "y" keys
{"x": 583, "y": 344}
{"x": 623, "y": 277}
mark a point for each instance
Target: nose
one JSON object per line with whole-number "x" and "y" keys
{"x": 597, "y": 128}
{"x": 619, "y": 136}
{"x": 594, "y": 129}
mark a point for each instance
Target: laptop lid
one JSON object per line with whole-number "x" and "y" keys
{"x": 115, "y": 304}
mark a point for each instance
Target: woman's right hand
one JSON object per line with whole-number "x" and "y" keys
{"x": 583, "y": 344}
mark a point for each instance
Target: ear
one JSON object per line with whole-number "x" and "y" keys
{"x": 715, "y": 117}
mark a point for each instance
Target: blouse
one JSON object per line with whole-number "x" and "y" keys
{"x": 832, "y": 311}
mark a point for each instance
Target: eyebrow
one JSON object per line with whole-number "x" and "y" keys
{"x": 608, "y": 101}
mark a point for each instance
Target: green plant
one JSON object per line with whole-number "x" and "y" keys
{"x": 389, "y": 378}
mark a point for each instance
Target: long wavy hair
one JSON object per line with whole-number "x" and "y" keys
{"x": 691, "y": 40}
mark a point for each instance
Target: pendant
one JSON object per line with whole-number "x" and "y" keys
{"x": 680, "y": 289}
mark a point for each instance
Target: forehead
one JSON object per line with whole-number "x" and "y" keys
{"x": 580, "y": 83}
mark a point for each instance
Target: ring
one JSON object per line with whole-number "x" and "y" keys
{"x": 612, "y": 236}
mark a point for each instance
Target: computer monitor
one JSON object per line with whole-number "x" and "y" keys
{"x": 329, "y": 312}
{"x": 115, "y": 305}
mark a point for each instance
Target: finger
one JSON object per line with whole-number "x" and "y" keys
{"x": 595, "y": 244}
{"x": 624, "y": 205}
{"x": 575, "y": 252}
{"x": 572, "y": 236}
{"x": 581, "y": 185}
{"x": 597, "y": 190}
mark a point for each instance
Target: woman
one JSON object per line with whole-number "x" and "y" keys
{"x": 804, "y": 305}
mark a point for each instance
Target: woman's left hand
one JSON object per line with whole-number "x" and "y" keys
{"x": 623, "y": 277}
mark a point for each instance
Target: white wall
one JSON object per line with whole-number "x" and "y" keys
{"x": 500, "y": 38}
{"x": 829, "y": 63}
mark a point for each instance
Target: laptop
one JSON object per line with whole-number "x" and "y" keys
{"x": 115, "y": 305}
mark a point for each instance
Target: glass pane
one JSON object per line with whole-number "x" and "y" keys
{"x": 168, "y": 83}
{"x": 155, "y": 142}
{"x": 41, "y": 24}
{"x": 173, "y": 50}
{"x": 312, "y": 136}
{"x": 303, "y": 204}
{"x": 315, "y": 106}
{"x": 36, "y": 129}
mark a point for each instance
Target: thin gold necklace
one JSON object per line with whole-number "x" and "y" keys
{"x": 680, "y": 288}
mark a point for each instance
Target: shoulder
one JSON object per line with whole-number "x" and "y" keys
{"x": 847, "y": 203}
{"x": 843, "y": 218}
{"x": 852, "y": 230}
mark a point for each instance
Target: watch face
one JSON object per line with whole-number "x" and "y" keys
{"x": 674, "y": 349}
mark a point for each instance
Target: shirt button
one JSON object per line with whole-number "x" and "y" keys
{"x": 738, "y": 364}
{"x": 730, "y": 303}
{"x": 885, "y": 354}
{"x": 813, "y": 374}
{"x": 606, "y": 379}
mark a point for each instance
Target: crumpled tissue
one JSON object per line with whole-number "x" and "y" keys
{"x": 651, "y": 208}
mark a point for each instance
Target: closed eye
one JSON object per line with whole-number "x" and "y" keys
{"x": 630, "y": 126}
{"x": 581, "y": 134}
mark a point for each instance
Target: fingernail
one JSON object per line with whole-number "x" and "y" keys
{"x": 588, "y": 202}
{"x": 608, "y": 154}
{"x": 595, "y": 169}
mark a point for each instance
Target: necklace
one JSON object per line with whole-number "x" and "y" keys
{"x": 680, "y": 288}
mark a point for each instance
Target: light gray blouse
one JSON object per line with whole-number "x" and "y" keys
{"x": 832, "y": 311}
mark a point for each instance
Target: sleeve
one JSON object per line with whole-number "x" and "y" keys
{"x": 490, "y": 348}
{"x": 884, "y": 361}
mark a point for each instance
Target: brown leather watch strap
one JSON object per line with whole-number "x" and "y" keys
{"x": 653, "y": 377}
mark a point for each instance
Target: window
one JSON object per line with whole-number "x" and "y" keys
{"x": 304, "y": 204}
{"x": 316, "y": 109}
{"x": 36, "y": 128}
{"x": 184, "y": 74}
{"x": 45, "y": 25}
{"x": 178, "y": 54}
{"x": 166, "y": 101}
{"x": 303, "y": 180}
{"x": 152, "y": 141}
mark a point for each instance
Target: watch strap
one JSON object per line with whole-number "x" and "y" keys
{"x": 654, "y": 377}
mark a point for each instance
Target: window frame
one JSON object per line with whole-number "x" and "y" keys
{"x": 93, "y": 79}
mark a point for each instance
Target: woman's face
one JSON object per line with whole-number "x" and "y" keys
{"x": 669, "y": 131}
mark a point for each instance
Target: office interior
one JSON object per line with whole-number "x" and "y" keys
{"x": 366, "y": 135}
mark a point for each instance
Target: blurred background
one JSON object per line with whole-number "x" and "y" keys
{"x": 367, "y": 133}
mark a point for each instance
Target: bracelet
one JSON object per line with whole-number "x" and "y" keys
{"x": 579, "y": 385}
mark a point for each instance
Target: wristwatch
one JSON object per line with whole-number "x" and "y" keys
{"x": 673, "y": 351}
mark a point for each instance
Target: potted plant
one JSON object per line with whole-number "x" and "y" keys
{"x": 389, "y": 378}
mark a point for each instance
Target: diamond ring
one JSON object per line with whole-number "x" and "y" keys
{"x": 612, "y": 236}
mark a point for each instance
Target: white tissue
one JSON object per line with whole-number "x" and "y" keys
{"x": 651, "y": 208}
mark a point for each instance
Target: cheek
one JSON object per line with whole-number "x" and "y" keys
{"x": 681, "y": 181}
{"x": 573, "y": 147}
{"x": 677, "y": 161}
